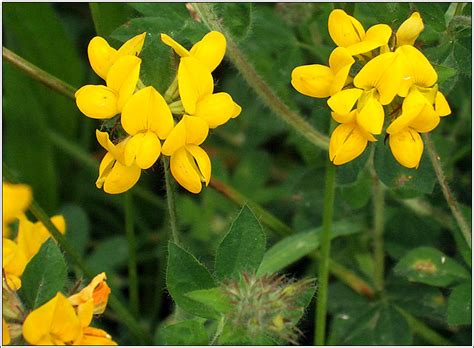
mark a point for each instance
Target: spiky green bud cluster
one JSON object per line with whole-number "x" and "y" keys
{"x": 267, "y": 306}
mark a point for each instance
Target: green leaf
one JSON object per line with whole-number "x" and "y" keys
{"x": 185, "y": 274}
{"x": 186, "y": 333}
{"x": 77, "y": 226}
{"x": 44, "y": 275}
{"x": 358, "y": 194}
{"x": 395, "y": 176}
{"x": 293, "y": 248}
{"x": 108, "y": 16}
{"x": 430, "y": 266}
{"x": 236, "y": 17}
{"x": 109, "y": 255}
{"x": 460, "y": 305}
{"x": 242, "y": 248}
{"x": 214, "y": 298}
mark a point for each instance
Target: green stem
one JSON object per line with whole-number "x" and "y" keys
{"x": 378, "y": 199}
{"x": 38, "y": 74}
{"x": 242, "y": 63}
{"x": 125, "y": 316}
{"x": 424, "y": 330}
{"x": 321, "y": 301}
{"x": 220, "y": 328}
{"x": 170, "y": 199}
{"x": 132, "y": 253}
{"x": 172, "y": 91}
{"x": 448, "y": 194}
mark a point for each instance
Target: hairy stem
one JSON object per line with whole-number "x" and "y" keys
{"x": 38, "y": 74}
{"x": 272, "y": 101}
{"x": 448, "y": 194}
{"x": 132, "y": 253}
{"x": 378, "y": 199}
{"x": 170, "y": 199}
{"x": 323, "y": 274}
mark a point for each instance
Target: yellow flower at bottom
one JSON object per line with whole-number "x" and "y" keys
{"x": 54, "y": 323}
{"x": 407, "y": 147}
{"x": 347, "y": 142}
{"x": 5, "y": 333}
{"x": 97, "y": 290}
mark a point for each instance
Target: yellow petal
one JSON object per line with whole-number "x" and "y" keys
{"x": 411, "y": 108}
{"x": 123, "y": 77}
{"x": 142, "y": 149}
{"x": 202, "y": 160}
{"x": 104, "y": 169}
{"x": 344, "y": 30}
{"x": 194, "y": 81}
{"x": 14, "y": 263}
{"x": 56, "y": 318}
{"x": 312, "y": 80}
{"x": 95, "y": 337}
{"x": 101, "y": 56}
{"x": 97, "y": 290}
{"x": 196, "y": 130}
{"x": 16, "y": 199}
{"x": 350, "y": 117}
{"x": 210, "y": 50}
{"x": 409, "y": 30}
{"x": 347, "y": 142}
{"x": 145, "y": 111}
{"x": 384, "y": 73}
{"x": 85, "y": 311}
{"x": 377, "y": 36}
{"x": 441, "y": 105}
{"x": 180, "y": 50}
{"x": 216, "y": 109}
{"x": 115, "y": 150}
{"x": 5, "y": 333}
{"x": 340, "y": 63}
{"x": 175, "y": 140}
{"x": 98, "y": 102}
{"x": 371, "y": 116}
{"x": 343, "y": 102}
{"x": 417, "y": 68}
{"x": 407, "y": 147}
{"x": 133, "y": 46}
{"x": 427, "y": 120}
{"x": 121, "y": 178}
{"x": 237, "y": 110}
{"x": 185, "y": 171}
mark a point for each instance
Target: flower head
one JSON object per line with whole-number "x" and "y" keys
{"x": 409, "y": 30}
{"x": 98, "y": 291}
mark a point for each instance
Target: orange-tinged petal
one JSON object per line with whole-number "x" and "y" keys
{"x": 142, "y": 149}
{"x": 16, "y": 199}
{"x": 5, "y": 333}
{"x": 145, "y": 111}
{"x": 407, "y": 147}
{"x": 194, "y": 81}
{"x": 202, "y": 160}
{"x": 55, "y": 319}
{"x": 98, "y": 102}
{"x": 441, "y": 105}
{"x": 347, "y": 142}
{"x": 350, "y": 117}
{"x": 185, "y": 170}
{"x": 417, "y": 68}
{"x": 216, "y": 109}
{"x": 343, "y": 102}
{"x": 409, "y": 30}
{"x": 123, "y": 77}
{"x": 210, "y": 50}
{"x": 101, "y": 56}
{"x": 97, "y": 290}
{"x": 344, "y": 30}
{"x": 312, "y": 80}
{"x": 133, "y": 46}
{"x": 371, "y": 116}
{"x": 180, "y": 50}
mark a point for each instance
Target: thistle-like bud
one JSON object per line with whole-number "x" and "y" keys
{"x": 268, "y": 306}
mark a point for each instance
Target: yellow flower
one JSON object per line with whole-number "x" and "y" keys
{"x": 102, "y": 56}
{"x": 210, "y": 50}
{"x": 54, "y": 323}
{"x": 346, "y": 31}
{"x": 407, "y": 147}
{"x": 13, "y": 263}
{"x": 190, "y": 165}
{"x": 320, "y": 81}
{"x": 114, "y": 175}
{"x": 147, "y": 118}
{"x": 5, "y": 333}
{"x": 97, "y": 290}
{"x": 32, "y": 235}
{"x": 102, "y": 102}
{"x": 409, "y": 30}
{"x": 16, "y": 199}
{"x": 196, "y": 88}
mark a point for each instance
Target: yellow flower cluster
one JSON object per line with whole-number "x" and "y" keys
{"x": 393, "y": 73}
{"x": 66, "y": 321}
{"x": 174, "y": 125}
